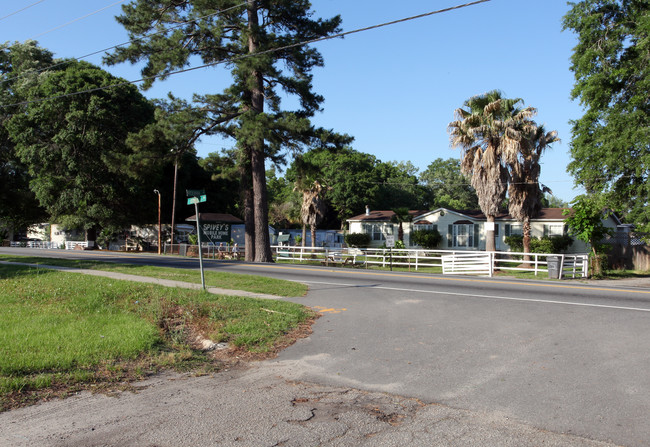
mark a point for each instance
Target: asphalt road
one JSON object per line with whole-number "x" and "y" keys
{"x": 566, "y": 357}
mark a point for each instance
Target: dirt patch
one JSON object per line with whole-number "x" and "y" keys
{"x": 203, "y": 358}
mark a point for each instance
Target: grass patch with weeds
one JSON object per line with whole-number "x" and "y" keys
{"x": 60, "y": 332}
{"x": 249, "y": 283}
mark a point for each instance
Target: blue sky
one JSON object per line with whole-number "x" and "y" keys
{"x": 395, "y": 88}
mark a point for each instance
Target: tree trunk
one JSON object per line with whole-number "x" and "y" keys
{"x": 490, "y": 243}
{"x": 526, "y": 240}
{"x": 304, "y": 235}
{"x": 262, "y": 240}
{"x": 312, "y": 229}
{"x": 260, "y": 203}
{"x": 249, "y": 210}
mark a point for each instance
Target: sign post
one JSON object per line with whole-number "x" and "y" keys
{"x": 194, "y": 200}
{"x": 390, "y": 243}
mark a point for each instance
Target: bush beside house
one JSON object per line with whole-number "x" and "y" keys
{"x": 428, "y": 239}
{"x": 357, "y": 240}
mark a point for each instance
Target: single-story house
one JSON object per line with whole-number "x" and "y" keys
{"x": 464, "y": 230}
{"x": 324, "y": 238}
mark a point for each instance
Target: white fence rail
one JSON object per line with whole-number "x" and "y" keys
{"x": 451, "y": 262}
{"x": 447, "y": 261}
{"x": 468, "y": 264}
{"x": 72, "y": 245}
{"x": 46, "y": 245}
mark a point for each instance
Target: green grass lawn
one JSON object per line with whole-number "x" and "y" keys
{"x": 249, "y": 283}
{"x": 61, "y": 331}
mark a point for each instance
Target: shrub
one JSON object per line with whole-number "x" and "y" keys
{"x": 108, "y": 235}
{"x": 357, "y": 240}
{"x": 428, "y": 239}
{"x": 547, "y": 244}
{"x": 515, "y": 242}
{"x": 398, "y": 245}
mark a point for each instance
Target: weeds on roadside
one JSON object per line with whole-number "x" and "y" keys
{"x": 60, "y": 332}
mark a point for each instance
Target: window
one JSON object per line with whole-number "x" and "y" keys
{"x": 463, "y": 235}
{"x": 514, "y": 229}
{"x": 553, "y": 229}
{"x": 377, "y": 232}
{"x": 419, "y": 226}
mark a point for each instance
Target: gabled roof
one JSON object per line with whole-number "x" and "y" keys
{"x": 554, "y": 214}
{"x": 384, "y": 215}
{"x": 215, "y": 218}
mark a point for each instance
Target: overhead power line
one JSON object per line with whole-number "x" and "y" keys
{"x": 21, "y": 10}
{"x": 77, "y": 19}
{"x": 122, "y": 44}
{"x": 246, "y": 56}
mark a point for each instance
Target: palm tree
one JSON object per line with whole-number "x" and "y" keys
{"x": 401, "y": 215}
{"x": 312, "y": 209}
{"x": 484, "y": 128}
{"x": 524, "y": 191}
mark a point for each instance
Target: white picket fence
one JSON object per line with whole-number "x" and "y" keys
{"x": 47, "y": 245}
{"x": 451, "y": 262}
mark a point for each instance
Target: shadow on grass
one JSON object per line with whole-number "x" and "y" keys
{"x": 17, "y": 271}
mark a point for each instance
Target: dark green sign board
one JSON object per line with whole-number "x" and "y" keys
{"x": 216, "y": 232}
{"x": 195, "y": 192}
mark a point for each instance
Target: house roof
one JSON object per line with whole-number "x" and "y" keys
{"x": 386, "y": 215}
{"x": 216, "y": 218}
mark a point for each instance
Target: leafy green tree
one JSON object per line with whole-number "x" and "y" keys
{"x": 83, "y": 172}
{"x": 19, "y": 67}
{"x": 483, "y": 130}
{"x": 350, "y": 173}
{"x": 447, "y": 187}
{"x": 261, "y": 44}
{"x": 398, "y": 186}
{"x": 172, "y": 134}
{"x": 551, "y": 201}
{"x": 284, "y": 200}
{"x": 355, "y": 179}
{"x": 585, "y": 221}
{"x": 610, "y": 143}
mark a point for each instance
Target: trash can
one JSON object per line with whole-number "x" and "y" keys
{"x": 553, "y": 265}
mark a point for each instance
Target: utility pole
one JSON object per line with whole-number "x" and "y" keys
{"x": 174, "y": 200}
{"x": 159, "y": 226}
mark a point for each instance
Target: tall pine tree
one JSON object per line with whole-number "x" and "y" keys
{"x": 259, "y": 42}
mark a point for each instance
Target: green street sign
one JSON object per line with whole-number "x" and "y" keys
{"x": 203, "y": 198}
{"x": 195, "y": 192}
{"x": 193, "y": 200}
